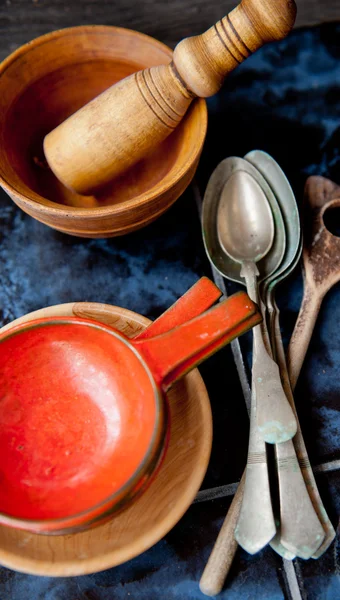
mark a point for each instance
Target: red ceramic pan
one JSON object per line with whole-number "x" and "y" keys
{"x": 83, "y": 419}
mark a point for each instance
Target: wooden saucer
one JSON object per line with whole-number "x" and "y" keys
{"x": 153, "y": 514}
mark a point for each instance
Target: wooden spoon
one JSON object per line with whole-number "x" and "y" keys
{"x": 321, "y": 266}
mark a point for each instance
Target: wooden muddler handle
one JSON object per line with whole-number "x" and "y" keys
{"x": 119, "y": 127}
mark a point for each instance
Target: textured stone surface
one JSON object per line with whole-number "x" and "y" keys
{"x": 284, "y": 100}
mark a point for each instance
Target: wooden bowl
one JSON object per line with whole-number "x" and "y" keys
{"x": 44, "y": 82}
{"x": 151, "y": 515}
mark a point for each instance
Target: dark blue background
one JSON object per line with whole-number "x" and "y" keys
{"x": 284, "y": 100}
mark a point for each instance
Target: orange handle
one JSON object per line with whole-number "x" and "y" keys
{"x": 201, "y": 296}
{"x": 176, "y": 352}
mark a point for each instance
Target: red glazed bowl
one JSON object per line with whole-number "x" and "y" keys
{"x": 83, "y": 419}
{"x": 75, "y": 444}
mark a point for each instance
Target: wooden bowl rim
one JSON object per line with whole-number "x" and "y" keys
{"x": 48, "y": 206}
{"x": 99, "y": 562}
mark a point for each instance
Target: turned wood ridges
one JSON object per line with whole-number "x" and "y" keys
{"x": 123, "y": 124}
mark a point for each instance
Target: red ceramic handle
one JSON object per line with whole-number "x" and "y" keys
{"x": 174, "y": 353}
{"x": 201, "y": 296}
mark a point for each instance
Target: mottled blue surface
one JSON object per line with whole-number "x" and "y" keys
{"x": 286, "y": 101}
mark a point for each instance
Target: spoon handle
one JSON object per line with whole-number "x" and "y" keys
{"x": 275, "y": 418}
{"x": 301, "y": 531}
{"x": 226, "y": 541}
{"x": 256, "y": 525}
{"x": 303, "y": 331}
{"x": 275, "y": 543}
{"x": 298, "y": 441}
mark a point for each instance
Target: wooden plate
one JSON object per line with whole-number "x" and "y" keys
{"x": 157, "y": 510}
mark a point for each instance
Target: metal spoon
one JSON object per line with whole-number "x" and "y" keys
{"x": 258, "y": 525}
{"x": 218, "y": 258}
{"x": 245, "y": 228}
{"x": 225, "y": 547}
{"x": 258, "y": 519}
{"x": 305, "y": 526}
{"x": 300, "y": 530}
{"x": 267, "y": 401}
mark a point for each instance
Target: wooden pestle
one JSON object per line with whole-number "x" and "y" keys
{"x": 119, "y": 127}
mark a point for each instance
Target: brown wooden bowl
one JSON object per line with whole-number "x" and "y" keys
{"x": 151, "y": 515}
{"x": 44, "y": 82}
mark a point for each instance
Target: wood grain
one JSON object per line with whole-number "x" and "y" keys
{"x": 157, "y": 510}
{"x": 53, "y": 77}
{"x": 24, "y": 20}
{"x": 224, "y": 550}
{"x": 122, "y": 125}
{"x": 321, "y": 266}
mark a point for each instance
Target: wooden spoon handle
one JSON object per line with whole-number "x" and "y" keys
{"x": 321, "y": 266}
{"x": 222, "y": 556}
{"x": 303, "y": 331}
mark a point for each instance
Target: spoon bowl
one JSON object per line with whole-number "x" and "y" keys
{"x": 245, "y": 229}
{"x": 284, "y": 194}
{"x": 219, "y": 258}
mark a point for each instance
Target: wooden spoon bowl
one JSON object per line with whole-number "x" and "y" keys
{"x": 44, "y": 82}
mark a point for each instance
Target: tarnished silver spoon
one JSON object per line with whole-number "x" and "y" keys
{"x": 273, "y": 428}
{"x": 300, "y": 529}
{"x": 258, "y": 525}
{"x": 245, "y": 228}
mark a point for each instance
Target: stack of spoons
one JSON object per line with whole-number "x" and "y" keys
{"x": 252, "y": 235}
